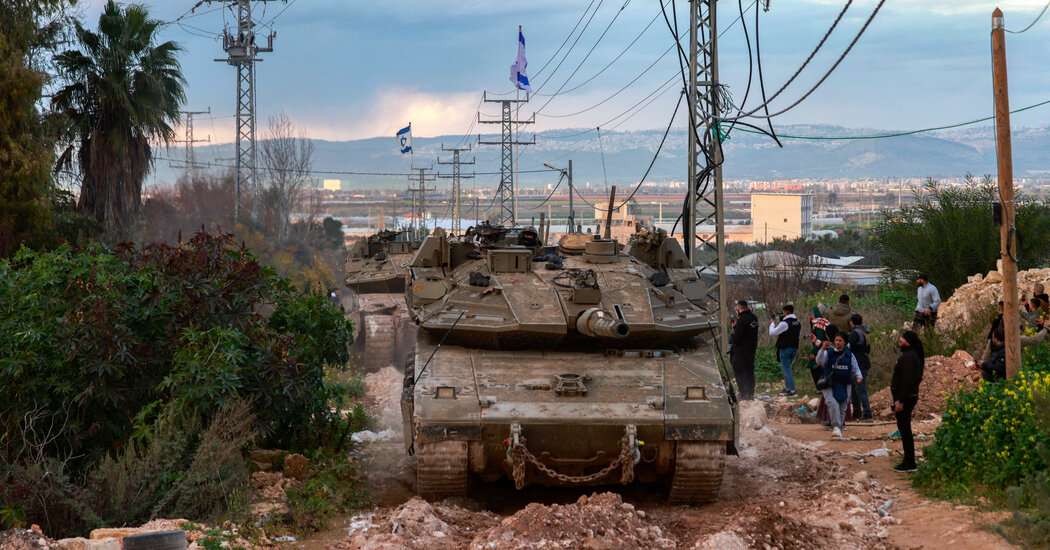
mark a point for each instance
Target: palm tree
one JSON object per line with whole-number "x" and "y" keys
{"x": 122, "y": 92}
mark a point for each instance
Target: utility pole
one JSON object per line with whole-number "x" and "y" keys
{"x": 568, "y": 176}
{"x": 705, "y": 200}
{"x": 419, "y": 203}
{"x": 191, "y": 161}
{"x": 1007, "y": 242}
{"x": 508, "y": 196}
{"x": 241, "y": 52}
{"x": 456, "y": 176}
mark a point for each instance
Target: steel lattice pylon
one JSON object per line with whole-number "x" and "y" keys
{"x": 456, "y": 176}
{"x": 506, "y": 194}
{"x": 706, "y": 213}
{"x": 241, "y": 50}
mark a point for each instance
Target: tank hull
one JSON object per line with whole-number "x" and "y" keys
{"x": 572, "y": 437}
{"x": 384, "y": 335}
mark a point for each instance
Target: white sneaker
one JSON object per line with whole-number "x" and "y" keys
{"x": 836, "y": 433}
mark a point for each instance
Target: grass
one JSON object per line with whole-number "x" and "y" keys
{"x": 336, "y": 486}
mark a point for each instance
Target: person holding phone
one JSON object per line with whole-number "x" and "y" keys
{"x": 840, "y": 370}
{"x": 787, "y": 330}
{"x": 904, "y": 387}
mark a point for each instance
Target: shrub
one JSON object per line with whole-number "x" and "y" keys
{"x": 106, "y": 356}
{"x": 989, "y": 436}
{"x": 949, "y": 234}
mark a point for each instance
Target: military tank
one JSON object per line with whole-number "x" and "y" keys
{"x": 375, "y": 273}
{"x": 582, "y": 364}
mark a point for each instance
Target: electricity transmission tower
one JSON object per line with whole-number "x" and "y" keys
{"x": 242, "y": 51}
{"x": 508, "y": 196}
{"x": 191, "y": 161}
{"x": 705, "y": 226}
{"x": 456, "y": 176}
{"x": 419, "y": 203}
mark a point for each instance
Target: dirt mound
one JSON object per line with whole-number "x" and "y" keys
{"x": 593, "y": 522}
{"x": 941, "y": 377}
{"x": 417, "y": 524}
{"x": 25, "y": 539}
{"x": 975, "y": 301}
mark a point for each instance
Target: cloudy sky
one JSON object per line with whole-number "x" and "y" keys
{"x": 349, "y": 69}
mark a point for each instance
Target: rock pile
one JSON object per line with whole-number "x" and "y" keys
{"x": 25, "y": 539}
{"x": 593, "y": 522}
{"x": 941, "y": 377}
{"x": 418, "y": 525}
{"x": 974, "y": 302}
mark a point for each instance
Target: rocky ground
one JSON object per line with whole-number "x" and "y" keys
{"x": 974, "y": 302}
{"x": 791, "y": 487}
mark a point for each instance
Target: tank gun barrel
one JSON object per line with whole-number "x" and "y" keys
{"x": 598, "y": 324}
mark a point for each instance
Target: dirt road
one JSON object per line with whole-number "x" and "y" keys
{"x": 791, "y": 487}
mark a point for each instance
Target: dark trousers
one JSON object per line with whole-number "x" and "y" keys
{"x": 861, "y": 405}
{"x": 924, "y": 320}
{"x": 904, "y": 427}
{"x": 744, "y": 372}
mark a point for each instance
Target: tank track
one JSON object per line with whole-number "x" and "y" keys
{"x": 441, "y": 469}
{"x": 699, "y": 466}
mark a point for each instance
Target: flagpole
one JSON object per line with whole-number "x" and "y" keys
{"x": 514, "y": 179}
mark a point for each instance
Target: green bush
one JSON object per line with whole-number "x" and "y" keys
{"x": 989, "y": 436}
{"x": 108, "y": 349}
{"x": 949, "y": 234}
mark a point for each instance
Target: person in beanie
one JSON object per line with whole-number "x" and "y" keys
{"x": 745, "y": 344}
{"x": 787, "y": 330}
{"x": 840, "y": 370}
{"x": 904, "y": 387}
{"x": 839, "y": 314}
{"x": 928, "y": 301}
{"x": 860, "y": 348}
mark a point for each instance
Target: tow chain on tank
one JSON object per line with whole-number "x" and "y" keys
{"x": 518, "y": 455}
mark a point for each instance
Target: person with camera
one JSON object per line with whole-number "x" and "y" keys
{"x": 787, "y": 330}
{"x": 840, "y": 370}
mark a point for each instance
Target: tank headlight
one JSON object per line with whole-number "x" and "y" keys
{"x": 695, "y": 393}
{"x": 446, "y": 392}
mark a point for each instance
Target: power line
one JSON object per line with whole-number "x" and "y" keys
{"x": 616, "y": 93}
{"x": 615, "y": 59}
{"x": 826, "y": 75}
{"x": 1032, "y": 24}
{"x": 655, "y": 155}
{"x": 270, "y": 22}
{"x": 907, "y": 133}
{"x": 574, "y": 42}
{"x": 563, "y": 42}
{"x": 585, "y": 57}
{"x": 346, "y": 172}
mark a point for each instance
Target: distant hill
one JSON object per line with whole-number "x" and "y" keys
{"x": 627, "y": 154}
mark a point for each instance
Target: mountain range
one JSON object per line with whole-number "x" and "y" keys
{"x": 621, "y": 158}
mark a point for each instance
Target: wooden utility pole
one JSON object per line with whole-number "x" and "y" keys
{"x": 1007, "y": 244}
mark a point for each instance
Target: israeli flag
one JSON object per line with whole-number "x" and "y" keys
{"x": 517, "y": 69}
{"x": 404, "y": 139}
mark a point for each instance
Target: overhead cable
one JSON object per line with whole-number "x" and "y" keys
{"x": 1032, "y": 24}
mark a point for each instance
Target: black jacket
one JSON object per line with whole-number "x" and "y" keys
{"x": 995, "y": 366}
{"x": 907, "y": 374}
{"x": 745, "y": 333}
